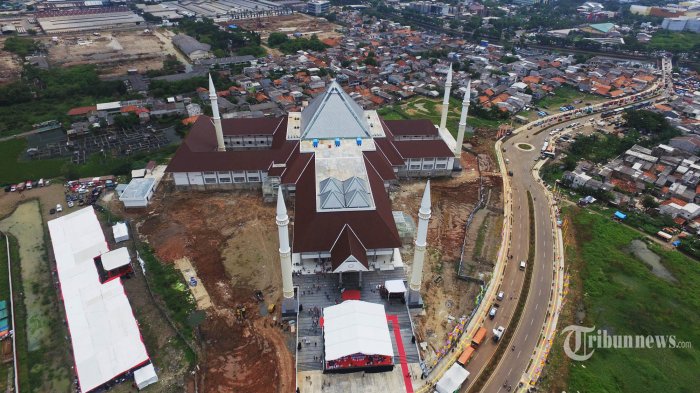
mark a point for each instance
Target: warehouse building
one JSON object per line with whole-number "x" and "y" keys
{"x": 67, "y": 21}
{"x": 190, "y": 47}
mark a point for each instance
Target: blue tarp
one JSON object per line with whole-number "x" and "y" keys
{"x": 620, "y": 215}
{"x": 676, "y": 243}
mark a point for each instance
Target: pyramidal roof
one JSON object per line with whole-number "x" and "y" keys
{"x": 333, "y": 114}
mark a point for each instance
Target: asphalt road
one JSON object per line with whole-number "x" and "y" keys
{"x": 509, "y": 371}
{"x": 514, "y": 362}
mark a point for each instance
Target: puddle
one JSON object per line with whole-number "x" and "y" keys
{"x": 653, "y": 261}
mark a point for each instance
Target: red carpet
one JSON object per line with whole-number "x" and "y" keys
{"x": 402, "y": 353}
{"x": 351, "y": 294}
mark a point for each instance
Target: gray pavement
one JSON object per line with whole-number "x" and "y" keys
{"x": 322, "y": 290}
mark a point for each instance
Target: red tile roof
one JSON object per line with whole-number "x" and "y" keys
{"x": 348, "y": 245}
{"x": 197, "y": 153}
{"x": 317, "y": 231}
{"x": 421, "y": 149}
{"x": 411, "y": 127}
{"x": 81, "y": 110}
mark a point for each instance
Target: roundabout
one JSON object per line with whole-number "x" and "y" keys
{"x": 525, "y": 147}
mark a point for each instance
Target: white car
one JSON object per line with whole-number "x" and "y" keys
{"x": 498, "y": 333}
{"x": 500, "y": 296}
{"x": 59, "y": 208}
{"x": 70, "y": 204}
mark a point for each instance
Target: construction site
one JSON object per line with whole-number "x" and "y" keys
{"x": 303, "y": 24}
{"x": 229, "y": 239}
{"x": 10, "y": 67}
{"x": 114, "y": 52}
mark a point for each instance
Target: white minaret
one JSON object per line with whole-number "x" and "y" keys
{"x": 285, "y": 251}
{"x": 419, "y": 254}
{"x": 463, "y": 122}
{"x": 215, "y": 116}
{"x": 446, "y": 99}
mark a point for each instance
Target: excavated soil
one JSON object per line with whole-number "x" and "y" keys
{"x": 230, "y": 237}
{"x": 443, "y": 293}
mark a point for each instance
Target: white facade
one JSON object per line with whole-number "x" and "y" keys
{"x": 214, "y": 178}
{"x": 138, "y": 192}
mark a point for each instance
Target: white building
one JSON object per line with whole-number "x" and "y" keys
{"x": 138, "y": 192}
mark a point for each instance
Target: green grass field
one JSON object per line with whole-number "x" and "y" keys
{"x": 621, "y": 295}
{"x": 16, "y": 170}
{"x": 680, "y": 41}
{"x": 566, "y": 95}
{"x": 427, "y": 108}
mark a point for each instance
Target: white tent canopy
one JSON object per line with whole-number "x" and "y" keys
{"x": 115, "y": 258}
{"x": 145, "y": 376}
{"x": 120, "y": 231}
{"x": 452, "y": 380}
{"x": 354, "y": 327}
{"x": 395, "y": 286}
{"x": 104, "y": 333}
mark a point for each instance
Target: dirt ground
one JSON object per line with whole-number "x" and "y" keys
{"x": 10, "y": 66}
{"x": 114, "y": 52}
{"x": 443, "y": 293}
{"x": 293, "y": 23}
{"x": 230, "y": 238}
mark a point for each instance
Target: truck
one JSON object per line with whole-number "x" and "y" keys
{"x": 479, "y": 337}
{"x": 664, "y": 236}
{"x": 498, "y": 333}
{"x": 466, "y": 355}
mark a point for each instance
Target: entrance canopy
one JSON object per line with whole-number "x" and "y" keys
{"x": 356, "y": 327}
{"x": 395, "y": 286}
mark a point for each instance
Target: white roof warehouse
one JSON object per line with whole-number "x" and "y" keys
{"x": 104, "y": 333}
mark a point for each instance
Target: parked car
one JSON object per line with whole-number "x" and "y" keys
{"x": 8, "y": 189}
{"x": 70, "y": 204}
{"x": 500, "y": 296}
{"x": 59, "y": 208}
{"x": 13, "y": 188}
{"x": 492, "y": 312}
{"x": 52, "y": 211}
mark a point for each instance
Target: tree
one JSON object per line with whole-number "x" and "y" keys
{"x": 21, "y": 46}
{"x": 276, "y": 39}
{"x": 649, "y": 202}
{"x": 646, "y": 121}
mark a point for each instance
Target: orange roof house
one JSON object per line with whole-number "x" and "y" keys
{"x": 81, "y": 110}
{"x": 532, "y": 79}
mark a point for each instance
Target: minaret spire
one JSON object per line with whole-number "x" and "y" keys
{"x": 285, "y": 252}
{"x": 421, "y": 240}
{"x": 446, "y": 99}
{"x": 462, "y": 123}
{"x": 220, "y": 146}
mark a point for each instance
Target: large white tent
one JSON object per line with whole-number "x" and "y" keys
{"x": 104, "y": 333}
{"x": 354, "y": 326}
{"x": 452, "y": 380}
